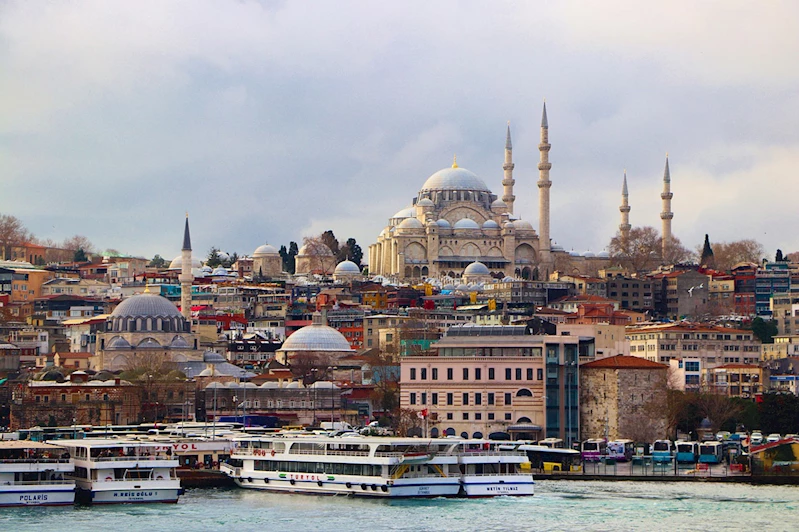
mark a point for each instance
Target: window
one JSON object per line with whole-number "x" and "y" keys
{"x": 413, "y": 398}
{"x": 491, "y": 398}
{"x": 478, "y": 398}
{"x": 529, "y": 374}
{"x": 491, "y": 374}
{"x": 466, "y": 374}
{"x": 449, "y": 374}
{"x": 465, "y": 398}
{"x": 435, "y": 374}
{"x": 449, "y": 415}
{"x": 434, "y": 398}
{"x": 539, "y": 374}
{"x": 478, "y": 374}
{"x": 450, "y": 399}
{"x": 508, "y": 416}
{"x": 466, "y": 416}
{"x": 508, "y": 374}
{"x": 507, "y": 399}
{"x": 478, "y": 416}
{"x": 413, "y": 374}
{"x": 424, "y": 374}
{"x": 518, "y": 374}
{"x": 424, "y": 398}
{"x": 491, "y": 416}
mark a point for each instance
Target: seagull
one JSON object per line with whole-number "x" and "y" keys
{"x": 701, "y": 285}
{"x": 691, "y": 291}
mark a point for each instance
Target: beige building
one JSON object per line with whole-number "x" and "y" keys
{"x": 784, "y": 346}
{"x": 610, "y": 340}
{"x": 76, "y": 287}
{"x": 623, "y": 397}
{"x": 267, "y": 262}
{"x": 372, "y": 326}
{"x": 714, "y": 346}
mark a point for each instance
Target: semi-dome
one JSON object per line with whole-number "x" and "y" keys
{"x": 178, "y": 342}
{"x": 411, "y": 223}
{"x": 177, "y": 263}
{"x": 117, "y": 342}
{"x": 522, "y": 224}
{"x": 407, "y": 212}
{"x": 603, "y": 255}
{"x": 490, "y": 224}
{"x": 454, "y": 179}
{"x": 264, "y": 250}
{"x": 146, "y": 306}
{"x": 220, "y": 271}
{"x": 425, "y": 202}
{"x": 443, "y": 223}
{"x": 212, "y": 357}
{"x": 347, "y": 266}
{"x": 508, "y": 225}
{"x": 323, "y": 250}
{"x": 499, "y": 204}
{"x": 466, "y": 223}
{"x": 316, "y": 338}
{"x": 476, "y": 268}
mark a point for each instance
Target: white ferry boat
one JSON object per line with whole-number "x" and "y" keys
{"x": 111, "y": 471}
{"x": 33, "y": 474}
{"x": 357, "y": 466}
{"x": 493, "y": 468}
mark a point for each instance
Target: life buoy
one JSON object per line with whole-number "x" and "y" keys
{"x": 159, "y": 477}
{"x": 374, "y": 487}
{"x": 108, "y": 479}
{"x": 291, "y": 481}
{"x": 363, "y": 487}
{"x": 273, "y": 452}
{"x": 319, "y": 483}
{"x": 384, "y": 488}
{"x": 349, "y": 484}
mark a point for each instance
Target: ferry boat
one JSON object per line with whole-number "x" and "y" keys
{"x": 109, "y": 471}
{"x": 359, "y": 466}
{"x": 492, "y": 468}
{"x": 33, "y": 474}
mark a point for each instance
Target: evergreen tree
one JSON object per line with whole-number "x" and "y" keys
{"x": 329, "y": 239}
{"x": 764, "y": 330}
{"x": 158, "y": 262}
{"x": 80, "y": 256}
{"x": 707, "y": 260}
{"x": 779, "y": 257}
{"x": 293, "y": 251}
{"x": 213, "y": 259}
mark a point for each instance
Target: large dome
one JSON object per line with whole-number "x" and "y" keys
{"x": 264, "y": 250}
{"x": 316, "y": 338}
{"x": 146, "y": 306}
{"x": 454, "y": 179}
{"x": 347, "y": 266}
{"x": 177, "y": 263}
{"x": 476, "y": 268}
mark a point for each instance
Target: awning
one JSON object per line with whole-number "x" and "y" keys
{"x": 524, "y": 427}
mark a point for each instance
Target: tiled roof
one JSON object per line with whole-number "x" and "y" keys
{"x": 623, "y": 362}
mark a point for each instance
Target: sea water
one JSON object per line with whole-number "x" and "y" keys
{"x": 557, "y": 505}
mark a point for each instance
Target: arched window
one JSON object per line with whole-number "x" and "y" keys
{"x": 434, "y": 432}
{"x": 524, "y": 420}
{"x": 477, "y": 435}
{"x": 524, "y": 392}
{"x": 465, "y": 435}
{"x": 449, "y": 432}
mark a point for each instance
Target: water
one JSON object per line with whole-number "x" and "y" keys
{"x": 557, "y": 505}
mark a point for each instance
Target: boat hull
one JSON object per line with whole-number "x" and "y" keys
{"x": 21, "y": 495}
{"x": 486, "y": 486}
{"x": 372, "y": 488}
{"x": 129, "y": 495}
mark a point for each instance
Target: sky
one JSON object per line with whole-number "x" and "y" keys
{"x": 270, "y": 121}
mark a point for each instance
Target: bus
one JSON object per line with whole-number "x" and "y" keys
{"x": 687, "y": 452}
{"x": 552, "y": 443}
{"x": 549, "y": 459}
{"x": 710, "y": 452}
{"x": 621, "y": 450}
{"x": 593, "y": 450}
{"x": 661, "y": 451}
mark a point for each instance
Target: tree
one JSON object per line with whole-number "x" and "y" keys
{"x": 213, "y": 258}
{"x": 706, "y": 259}
{"x": 321, "y": 258}
{"x": 80, "y": 256}
{"x": 158, "y": 262}
{"x": 764, "y": 330}
{"x": 293, "y": 250}
{"x": 12, "y": 233}
{"x": 232, "y": 258}
{"x": 779, "y": 258}
{"x": 717, "y": 408}
{"x": 311, "y": 367}
{"x": 728, "y": 254}
{"x": 385, "y": 376}
{"x": 779, "y": 413}
{"x": 329, "y": 239}
{"x": 639, "y": 252}
{"x": 350, "y": 251}
{"x": 78, "y": 242}
{"x": 675, "y": 252}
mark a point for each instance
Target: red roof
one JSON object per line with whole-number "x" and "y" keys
{"x": 738, "y": 366}
{"x": 623, "y": 362}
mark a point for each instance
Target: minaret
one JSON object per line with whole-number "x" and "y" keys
{"x": 507, "y": 180}
{"x": 186, "y": 277}
{"x": 544, "y": 185}
{"x": 666, "y": 215}
{"x": 624, "y": 227}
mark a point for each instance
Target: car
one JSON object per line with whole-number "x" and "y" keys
{"x": 774, "y": 437}
{"x": 756, "y": 438}
{"x": 723, "y": 435}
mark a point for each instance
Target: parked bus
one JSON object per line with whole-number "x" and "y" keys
{"x": 621, "y": 450}
{"x": 552, "y": 443}
{"x": 593, "y": 450}
{"x": 710, "y": 452}
{"x": 687, "y": 452}
{"x": 548, "y": 459}
{"x": 661, "y": 451}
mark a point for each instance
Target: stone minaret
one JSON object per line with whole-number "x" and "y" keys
{"x": 624, "y": 227}
{"x": 666, "y": 215}
{"x": 507, "y": 180}
{"x": 186, "y": 277}
{"x": 544, "y": 184}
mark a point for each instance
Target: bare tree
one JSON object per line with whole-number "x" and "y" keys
{"x": 717, "y": 408}
{"x": 727, "y": 254}
{"x": 405, "y": 421}
{"x": 12, "y": 233}
{"x": 311, "y": 367}
{"x": 676, "y": 253}
{"x": 321, "y": 258}
{"x": 74, "y": 243}
{"x": 639, "y": 252}
{"x": 385, "y": 378}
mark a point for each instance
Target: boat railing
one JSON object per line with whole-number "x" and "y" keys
{"x": 490, "y": 453}
{"x": 134, "y": 458}
{"x": 163, "y": 477}
{"x": 34, "y": 461}
{"x": 38, "y": 482}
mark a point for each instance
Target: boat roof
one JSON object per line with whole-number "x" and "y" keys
{"x": 110, "y": 442}
{"x": 354, "y": 439}
{"x": 27, "y": 444}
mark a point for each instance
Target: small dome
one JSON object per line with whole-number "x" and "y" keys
{"x": 117, "y": 342}
{"x": 220, "y": 271}
{"x": 508, "y": 279}
{"x": 177, "y": 263}
{"x": 490, "y": 224}
{"x": 556, "y": 247}
{"x": 316, "y": 338}
{"x": 499, "y": 204}
{"x": 476, "y": 268}
{"x": 463, "y": 287}
{"x": 270, "y": 385}
{"x": 508, "y": 225}
{"x": 574, "y": 253}
{"x": 589, "y": 255}
{"x": 407, "y": 212}
{"x": 411, "y": 223}
{"x": 293, "y": 384}
{"x": 212, "y": 357}
{"x": 443, "y": 223}
{"x": 448, "y": 287}
{"x": 466, "y": 223}
{"x": 603, "y": 255}
{"x": 425, "y": 202}
{"x": 53, "y": 375}
{"x": 146, "y": 305}
{"x": 347, "y": 266}
{"x": 327, "y": 385}
{"x": 265, "y": 250}
{"x": 454, "y": 179}
{"x": 206, "y": 269}
{"x": 522, "y": 224}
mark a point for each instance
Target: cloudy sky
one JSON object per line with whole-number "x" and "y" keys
{"x": 269, "y": 121}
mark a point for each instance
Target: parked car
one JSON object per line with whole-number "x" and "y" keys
{"x": 756, "y": 438}
{"x": 774, "y": 437}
